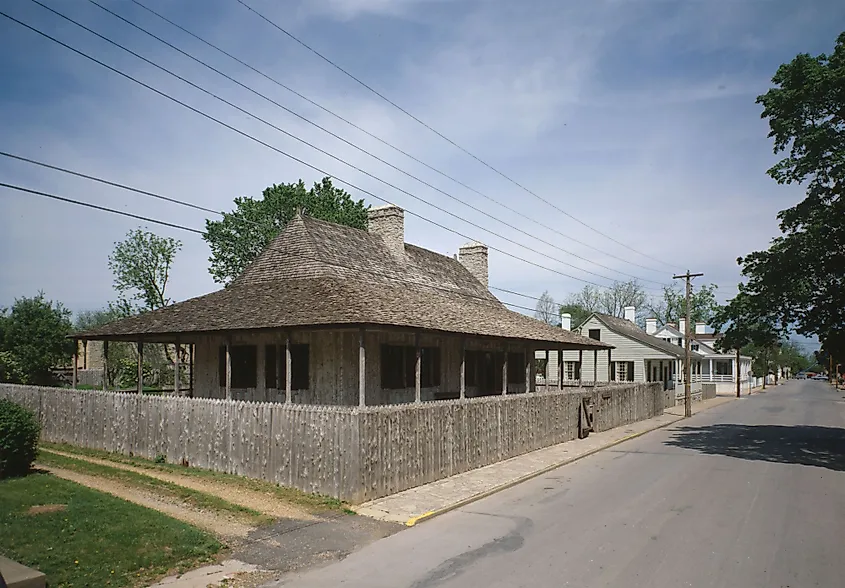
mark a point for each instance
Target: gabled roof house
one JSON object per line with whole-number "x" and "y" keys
{"x": 329, "y": 314}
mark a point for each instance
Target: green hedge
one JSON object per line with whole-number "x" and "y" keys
{"x": 19, "y": 432}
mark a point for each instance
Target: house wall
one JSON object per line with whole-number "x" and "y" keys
{"x": 334, "y": 365}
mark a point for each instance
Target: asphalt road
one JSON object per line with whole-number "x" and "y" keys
{"x": 748, "y": 494}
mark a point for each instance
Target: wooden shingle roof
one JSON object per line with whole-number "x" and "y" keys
{"x": 319, "y": 274}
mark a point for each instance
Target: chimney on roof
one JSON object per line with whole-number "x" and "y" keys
{"x": 682, "y": 326}
{"x": 388, "y": 222}
{"x": 651, "y": 326}
{"x": 473, "y": 256}
{"x": 566, "y": 321}
{"x": 700, "y": 328}
{"x": 631, "y": 313}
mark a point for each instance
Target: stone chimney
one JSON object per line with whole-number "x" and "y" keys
{"x": 651, "y": 326}
{"x": 388, "y": 222}
{"x": 700, "y": 328}
{"x": 631, "y": 313}
{"x": 566, "y": 321}
{"x": 682, "y": 326}
{"x": 473, "y": 256}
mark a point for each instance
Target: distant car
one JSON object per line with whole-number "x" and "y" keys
{"x": 801, "y": 377}
{"x": 819, "y": 377}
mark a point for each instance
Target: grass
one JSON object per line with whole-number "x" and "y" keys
{"x": 195, "y": 498}
{"x": 311, "y": 502}
{"x": 97, "y": 540}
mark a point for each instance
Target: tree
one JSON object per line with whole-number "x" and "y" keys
{"x": 237, "y": 240}
{"x": 547, "y": 310}
{"x": 611, "y": 300}
{"x": 672, "y": 306}
{"x": 798, "y": 282}
{"x": 34, "y": 340}
{"x": 141, "y": 266}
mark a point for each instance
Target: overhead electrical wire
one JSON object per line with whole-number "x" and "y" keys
{"x": 370, "y": 154}
{"x": 288, "y": 155}
{"x": 199, "y": 232}
{"x": 379, "y": 139}
{"x": 327, "y": 153}
{"x": 444, "y": 137}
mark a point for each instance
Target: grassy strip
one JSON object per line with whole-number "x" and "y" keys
{"x": 194, "y": 498}
{"x": 93, "y": 538}
{"x": 311, "y": 502}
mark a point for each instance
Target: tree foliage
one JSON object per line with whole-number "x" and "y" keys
{"x": 547, "y": 309}
{"x": 34, "y": 340}
{"x": 238, "y": 238}
{"x": 672, "y": 305}
{"x": 141, "y": 266}
{"x": 798, "y": 283}
{"x": 611, "y": 300}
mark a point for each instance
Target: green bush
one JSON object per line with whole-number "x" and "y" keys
{"x": 19, "y": 431}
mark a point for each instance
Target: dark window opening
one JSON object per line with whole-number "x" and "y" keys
{"x": 471, "y": 368}
{"x": 392, "y": 367}
{"x": 271, "y": 354}
{"x": 399, "y": 367}
{"x": 244, "y": 366}
{"x": 299, "y": 367}
{"x": 595, "y": 334}
{"x": 516, "y": 368}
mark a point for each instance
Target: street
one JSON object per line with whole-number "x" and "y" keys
{"x": 750, "y": 494}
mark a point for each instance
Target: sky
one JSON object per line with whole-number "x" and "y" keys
{"x": 636, "y": 118}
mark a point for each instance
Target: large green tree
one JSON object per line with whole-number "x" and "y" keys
{"x": 141, "y": 266}
{"x": 242, "y": 234}
{"x": 610, "y": 300}
{"x": 671, "y": 306}
{"x": 34, "y": 340}
{"x": 798, "y": 283}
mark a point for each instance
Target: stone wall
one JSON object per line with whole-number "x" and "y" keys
{"x": 355, "y": 454}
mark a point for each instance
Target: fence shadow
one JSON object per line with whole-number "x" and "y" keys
{"x": 800, "y": 444}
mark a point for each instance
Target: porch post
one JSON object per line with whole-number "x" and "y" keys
{"x": 85, "y": 354}
{"x": 75, "y": 362}
{"x": 191, "y": 370}
{"x": 529, "y": 362}
{"x": 288, "y": 371}
{"x": 176, "y": 365}
{"x": 417, "y": 370}
{"x": 595, "y": 366}
{"x": 505, "y": 372}
{"x": 559, "y": 369}
{"x": 362, "y": 370}
{"x": 711, "y": 370}
{"x": 463, "y": 369}
{"x": 546, "y": 371}
{"x": 140, "y": 367}
{"x": 580, "y": 366}
{"x": 228, "y": 368}
{"x": 609, "y": 364}
{"x": 280, "y": 356}
{"x": 105, "y": 365}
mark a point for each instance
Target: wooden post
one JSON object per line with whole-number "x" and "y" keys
{"x": 418, "y": 374}
{"x": 736, "y": 374}
{"x": 280, "y": 360}
{"x": 580, "y": 366}
{"x": 105, "y": 365}
{"x": 595, "y": 366}
{"x": 176, "y": 365}
{"x": 140, "y": 367}
{"x": 228, "y": 368}
{"x": 463, "y": 369}
{"x": 546, "y": 371}
{"x": 288, "y": 372}
{"x": 85, "y": 354}
{"x": 609, "y": 366}
{"x": 362, "y": 370}
{"x": 505, "y": 373}
{"x": 532, "y": 369}
{"x": 191, "y": 370}
{"x": 75, "y": 363}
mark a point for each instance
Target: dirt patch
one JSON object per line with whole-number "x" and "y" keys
{"x": 46, "y": 508}
{"x": 221, "y": 525}
{"x": 263, "y": 502}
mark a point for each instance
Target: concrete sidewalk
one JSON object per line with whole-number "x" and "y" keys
{"x": 423, "y": 502}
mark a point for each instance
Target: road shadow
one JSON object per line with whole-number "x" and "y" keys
{"x": 822, "y": 447}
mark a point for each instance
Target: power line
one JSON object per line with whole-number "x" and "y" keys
{"x": 370, "y": 154}
{"x": 441, "y": 135}
{"x": 327, "y": 153}
{"x": 377, "y": 138}
{"x": 288, "y": 155}
{"x": 197, "y": 231}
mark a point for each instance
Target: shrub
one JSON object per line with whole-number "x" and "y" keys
{"x": 19, "y": 431}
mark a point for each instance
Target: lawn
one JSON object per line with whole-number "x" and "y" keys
{"x": 91, "y": 538}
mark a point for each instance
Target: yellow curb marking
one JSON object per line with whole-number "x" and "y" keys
{"x": 414, "y": 520}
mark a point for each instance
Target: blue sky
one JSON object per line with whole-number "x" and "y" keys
{"x": 635, "y": 117}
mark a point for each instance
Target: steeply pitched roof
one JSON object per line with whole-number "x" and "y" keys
{"x": 321, "y": 274}
{"x": 628, "y": 329}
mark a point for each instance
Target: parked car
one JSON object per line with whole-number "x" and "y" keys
{"x": 820, "y": 377}
{"x": 801, "y": 376}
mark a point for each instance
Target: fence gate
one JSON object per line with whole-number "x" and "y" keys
{"x": 585, "y": 417}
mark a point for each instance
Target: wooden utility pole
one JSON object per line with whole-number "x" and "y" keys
{"x": 738, "y": 384}
{"x": 687, "y": 393}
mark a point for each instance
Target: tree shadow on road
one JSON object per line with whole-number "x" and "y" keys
{"x": 800, "y": 444}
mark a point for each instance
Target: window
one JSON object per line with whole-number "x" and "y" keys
{"x": 694, "y": 346}
{"x": 471, "y": 367}
{"x": 299, "y": 367}
{"x": 516, "y": 368}
{"x": 399, "y": 367}
{"x": 573, "y": 370}
{"x": 244, "y": 366}
{"x": 595, "y": 334}
{"x": 270, "y": 357}
{"x": 622, "y": 371}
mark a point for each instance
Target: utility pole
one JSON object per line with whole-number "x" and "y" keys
{"x": 687, "y": 394}
{"x": 738, "y": 383}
